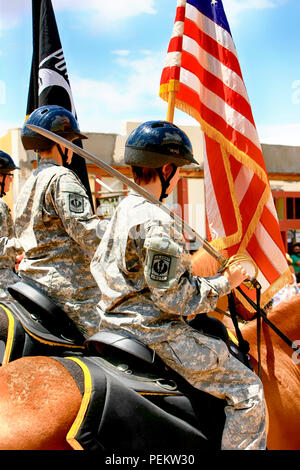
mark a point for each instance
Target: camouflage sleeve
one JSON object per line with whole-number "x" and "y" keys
{"x": 9, "y": 245}
{"x": 6, "y": 223}
{"x": 10, "y": 248}
{"x": 72, "y": 205}
{"x": 168, "y": 273}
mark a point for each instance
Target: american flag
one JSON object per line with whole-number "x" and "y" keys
{"x": 202, "y": 67}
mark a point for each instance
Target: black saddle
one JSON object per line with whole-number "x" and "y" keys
{"x": 127, "y": 345}
{"x": 45, "y": 321}
{"x": 123, "y": 362}
{"x": 48, "y": 325}
{"x": 42, "y": 317}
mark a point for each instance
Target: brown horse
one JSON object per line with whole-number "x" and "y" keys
{"x": 280, "y": 373}
{"x": 280, "y": 365}
{"x": 39, "y": 400}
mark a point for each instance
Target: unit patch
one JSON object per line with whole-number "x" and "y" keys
{"x": 161, "y": 262}
{"x": 160, "y": 267}
{"x": 76, "y": 203}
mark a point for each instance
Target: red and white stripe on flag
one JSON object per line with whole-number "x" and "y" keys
{"x": 203, "y": 69}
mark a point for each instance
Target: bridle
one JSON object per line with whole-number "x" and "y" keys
{"x": 259, "y": 316}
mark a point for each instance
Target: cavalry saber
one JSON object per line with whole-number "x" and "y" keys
{"x": 113, "y": 172}
{"x": 143, "y": 192}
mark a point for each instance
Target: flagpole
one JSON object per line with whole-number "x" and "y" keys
{"x": 171, "y": 105}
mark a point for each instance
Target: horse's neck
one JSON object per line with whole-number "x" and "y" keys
{"x": 285, "y": 317}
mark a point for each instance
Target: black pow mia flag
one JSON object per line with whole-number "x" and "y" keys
{"x": 49, "y": 82}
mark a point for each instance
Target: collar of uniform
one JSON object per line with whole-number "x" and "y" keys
{"x": 47, "y": 161}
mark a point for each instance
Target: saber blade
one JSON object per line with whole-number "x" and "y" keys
{"x": 131, "y": 184}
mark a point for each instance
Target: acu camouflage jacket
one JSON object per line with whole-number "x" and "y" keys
{"x": 144, "y": 273}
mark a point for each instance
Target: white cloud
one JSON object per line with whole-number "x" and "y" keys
{"x": 233, "y": 8}
{"x": 99, "y": 13}
{"x": 280, "y": 134}
{"x": 12, "y": 12}
{"x": 102, "y": 15}
{"x": 102, "y": 105}
{"x": 118, "y": 9}
{"x": 121, "y": 52}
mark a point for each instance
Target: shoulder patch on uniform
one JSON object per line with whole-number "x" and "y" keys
{"x": 160, "y": 267}
{"x": 162, "y": 255}
{"x": 76, "y": 203}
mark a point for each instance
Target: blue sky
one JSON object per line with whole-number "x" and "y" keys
{"x": 115, "y": 53}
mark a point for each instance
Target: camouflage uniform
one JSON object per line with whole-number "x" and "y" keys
{"x": 9, "y": 248}
{"x": 59, "y": 234}
{"x": 139, "y": 300}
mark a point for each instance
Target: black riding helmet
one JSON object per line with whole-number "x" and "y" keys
{"x": 7, "y": 165}
{"x": 154, "y": 144}
{"x": 53, "y": 118}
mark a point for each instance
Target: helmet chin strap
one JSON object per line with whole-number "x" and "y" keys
{"x": 2, "y": 192}
{"x": 64, "y": 155}
{"x": 165, "y": 183}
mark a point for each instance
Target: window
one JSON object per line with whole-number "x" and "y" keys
{"x": 280, "y": 207}
{"x": 287, "y": 204}
{"x": 293, "y": 208}
{"x": 297, "y": 208}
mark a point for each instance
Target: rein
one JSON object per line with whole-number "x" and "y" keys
{"x": 262, "y": 314}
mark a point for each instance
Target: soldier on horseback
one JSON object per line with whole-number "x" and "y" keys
{"x": 9, "y": 246}
{"x": 55, "y": 224}
{"x": 144, "y": 273}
